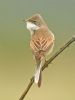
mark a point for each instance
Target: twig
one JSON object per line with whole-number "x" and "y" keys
{"x": 46, "y": 65}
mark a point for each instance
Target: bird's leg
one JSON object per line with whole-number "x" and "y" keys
{"x": 45, "y": 60}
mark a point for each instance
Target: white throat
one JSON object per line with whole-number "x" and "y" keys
{"x": 32, "y": 27}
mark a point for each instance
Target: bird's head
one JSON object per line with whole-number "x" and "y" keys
{"x": 35, "y": 22}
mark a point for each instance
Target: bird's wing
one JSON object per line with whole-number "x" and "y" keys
{"x": 42, "y": 40}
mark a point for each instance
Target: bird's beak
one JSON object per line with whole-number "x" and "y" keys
{"x": 24, "y": 20}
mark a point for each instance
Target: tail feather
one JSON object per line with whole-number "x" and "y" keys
{"x": 40, "y": 79}
{"x": 37, "y": 76}
{"x": 38, "y": 73}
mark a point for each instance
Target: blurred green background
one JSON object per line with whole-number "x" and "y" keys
{"x": 16, "y": 62}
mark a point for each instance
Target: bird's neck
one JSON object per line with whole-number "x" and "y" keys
{"x": 32, "y": 32}
{"x": 32, "y": 27}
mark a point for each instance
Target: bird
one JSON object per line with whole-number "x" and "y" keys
{"x": 41, "y": 43}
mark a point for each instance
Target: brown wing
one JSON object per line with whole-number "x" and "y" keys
{"x": 41, "y": 41}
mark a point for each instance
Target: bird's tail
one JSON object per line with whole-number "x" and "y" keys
{"x": 38, "y": 74}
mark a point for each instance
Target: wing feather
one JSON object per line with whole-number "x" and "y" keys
{"x": 42, "y": 40}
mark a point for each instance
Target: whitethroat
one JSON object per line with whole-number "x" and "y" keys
{"x": 41, "y": 43}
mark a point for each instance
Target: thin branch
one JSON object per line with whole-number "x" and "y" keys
{"x": 46, "y": 65}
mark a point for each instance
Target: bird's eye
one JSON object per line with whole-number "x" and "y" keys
{"x": 34, "y": 21}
